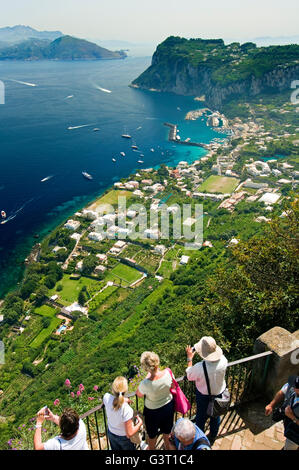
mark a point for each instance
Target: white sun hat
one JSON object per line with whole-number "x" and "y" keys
{"x": 208, "y": 349}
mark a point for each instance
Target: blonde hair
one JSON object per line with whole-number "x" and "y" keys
{"x": 119, "y": 388}
{"x": 149, "y": 361}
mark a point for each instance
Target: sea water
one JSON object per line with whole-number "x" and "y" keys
{"x": 46, "y": 133}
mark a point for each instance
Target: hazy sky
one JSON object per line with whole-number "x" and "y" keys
{"x": 154, "y": 20}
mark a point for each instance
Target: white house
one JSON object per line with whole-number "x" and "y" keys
{"x": 95, "y": 236}
{"x": 270, "y": 198}
{"x": 76, "y": 236}
{"x": 79, "y": 266}
{"x": 90, "y": 215}
{"x": 102, "y": 257}
{"x": 184, "y": 260}
{"x": 72, "y": 225}
{"x": 160, "y": 249}
{"x": 57, "y": 248}
{"x": 100, "y": 269}
{"x": 120, "y": 244}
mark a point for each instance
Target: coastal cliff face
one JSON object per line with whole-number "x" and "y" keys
{"x": 219, "y": 72}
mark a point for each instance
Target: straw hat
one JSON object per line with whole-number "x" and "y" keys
{"x": 208, "y": 349}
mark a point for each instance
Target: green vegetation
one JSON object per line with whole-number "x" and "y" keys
{"x": 46, "y": 311}
{"x": 203, "y": 64}
{"x": 124, "y": 273}
{"x": 45, "y": 333}
{"x": 111, "y": 198}
{"x": 71, "y": 288}
{"x": 219, "y": 184}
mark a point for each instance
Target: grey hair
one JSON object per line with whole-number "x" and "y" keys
{"x": 184, "y": 429}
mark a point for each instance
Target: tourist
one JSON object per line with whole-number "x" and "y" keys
{"x": 216, "y": 364}
{"x": 187, "y": 436}
{"x": 289, "y": 395}
{"x": 120, "y": 416}
{"x": 73, "y": 432}
{"x": 159, "y": 404}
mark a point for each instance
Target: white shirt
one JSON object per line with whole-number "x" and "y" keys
{"x": 117, "y": 418}
{"x": 216, "y": 373}
{"x": 77, "y": 443}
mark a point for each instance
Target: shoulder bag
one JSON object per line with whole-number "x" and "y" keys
{"x": 181, "y": 402}
{"x": 217, "y": 405}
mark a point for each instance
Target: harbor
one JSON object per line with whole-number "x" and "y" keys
{"x": 173, "y": 137}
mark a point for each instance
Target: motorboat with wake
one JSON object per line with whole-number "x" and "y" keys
{"x": 87, "y": 175}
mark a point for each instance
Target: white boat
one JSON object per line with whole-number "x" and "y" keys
{"x": 134, "y": 147}
{"x": 3, "y": 214}
{"x": 96, "y": 129}
{"x": 126, "y": 136}
{"x": 152, "y": 150}
{"x": 123, "y": 154}
{"x": 113, "y": 159}
{"x": 140, "y": 161}
{"x": 87, "y": 175}
{"x": 46, "y": 179}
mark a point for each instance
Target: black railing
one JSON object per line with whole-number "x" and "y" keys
{"x": 245, "y": 379}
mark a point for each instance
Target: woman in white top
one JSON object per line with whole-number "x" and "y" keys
{"x": 158, "y": 405}
{"x": 216, "y": 364}
{"x": 120, "y": 416}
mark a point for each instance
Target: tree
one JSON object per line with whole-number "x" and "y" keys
{"x": 82, "y": 298}
{"x": 89, "y": 264}
{"x": 41, "y": 295}
{"x": 256, "y": 291}
{"x": 46, "y": 321}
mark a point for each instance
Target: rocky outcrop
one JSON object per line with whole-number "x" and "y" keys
{"x": 179, "y": 75}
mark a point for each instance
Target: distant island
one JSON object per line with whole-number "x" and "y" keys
{"x": 216, "y": 72}
{"x": 20, "y": 33}
{"x": 25, "y": 43}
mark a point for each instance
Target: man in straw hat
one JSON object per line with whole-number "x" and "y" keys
{"x": 216, "y": 364}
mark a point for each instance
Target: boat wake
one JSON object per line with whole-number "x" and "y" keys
{"x": 70, "y": 128}
{"x": 69, "y": 97}
{"x": 102, "y": 89}
{"x": 15, "y": 213}
{"x": 23, "y": 83}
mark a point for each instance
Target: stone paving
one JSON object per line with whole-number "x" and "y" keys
{"x": 249, "y": 429}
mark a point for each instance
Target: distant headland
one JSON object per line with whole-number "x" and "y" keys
{"x": 25, "y": 43}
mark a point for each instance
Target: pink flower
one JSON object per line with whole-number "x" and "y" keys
{"x": 81, "y": 387}
{"x": 96, "y": 388}
{"x": 72, "y": 394}
{"x": 90, "y": 398}
{"x": 78, "y": 393}
{"x": 56, "y": 402}
{"x": 67, "y": 383}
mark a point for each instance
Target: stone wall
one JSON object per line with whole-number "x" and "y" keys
{"x": 282, "y": 363}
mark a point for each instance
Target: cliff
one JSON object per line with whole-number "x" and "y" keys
{"x": 199, "y": 67}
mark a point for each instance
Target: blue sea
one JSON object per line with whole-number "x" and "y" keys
{"x": 35, "y": 143}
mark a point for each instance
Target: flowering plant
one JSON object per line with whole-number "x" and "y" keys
{"x": 78, "y": 399}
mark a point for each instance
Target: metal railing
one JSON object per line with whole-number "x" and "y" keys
{"x": 244, "y": 378}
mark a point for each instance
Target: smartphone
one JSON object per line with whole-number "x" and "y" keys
{"x": 46, "y": 411}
